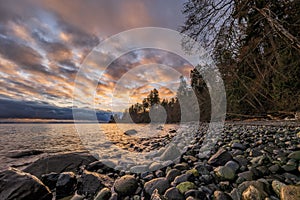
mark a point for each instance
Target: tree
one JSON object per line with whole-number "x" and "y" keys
{"x": 182, "y": 89}
{"x": 255, "y": 44}
{"x": 154, "y": 97}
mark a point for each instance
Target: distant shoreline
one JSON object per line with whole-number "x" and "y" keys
{"x": 294, "y": 123}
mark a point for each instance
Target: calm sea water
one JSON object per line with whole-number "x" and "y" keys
{"x": 61, "y": 138}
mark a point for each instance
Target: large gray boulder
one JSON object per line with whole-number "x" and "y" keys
{"x": 15, "y": 184}
{"x": 60, "y": 163}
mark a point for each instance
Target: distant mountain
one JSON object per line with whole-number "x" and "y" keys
{"x": 10, "y": 108}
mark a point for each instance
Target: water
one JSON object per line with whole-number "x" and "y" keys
{"x": 61, "y": 138}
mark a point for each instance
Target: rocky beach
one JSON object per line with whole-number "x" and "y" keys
{"x": 250, "y": 161}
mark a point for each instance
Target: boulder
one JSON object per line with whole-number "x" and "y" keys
{"x": 104, "y": 194}
{"x": 174, "y": 194}
{"x": 252, "y": 193}
{"x": 99, "y": 165}
{"x": 277, "y": 185}
{"x": 237, "y": 145}
{"x": 259, "y": 185}
{"x": 220, "y": 158}
{"x": 171, "y": 175}
{"x": 59, "y": 163}
{"x": 156, "y": 196}
{"x": 126, "y": 185}
{"x": 161, "y": 184}
{"x": 171, "y": 153}
{"x": 185, "y": 186}
{"x": 290, "y": 192}
{"x": 196, "y": 194}
{"x": 91, "y": 182}
{"x": 21, "y": 154}
{"x": 15, "y": 184}
{"x": 225, "y": 173}
{"x": 294, "y": 155}
{"x": 219, "y": 195}
{"x": 130, "y": 132}
{"x": 65, "y": 185}
{"x": 50, "y": 180}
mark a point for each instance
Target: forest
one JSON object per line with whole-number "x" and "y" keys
{"x": 255, "y": 45}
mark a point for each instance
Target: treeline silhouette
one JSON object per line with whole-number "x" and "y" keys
{"x": 185, "y": 106}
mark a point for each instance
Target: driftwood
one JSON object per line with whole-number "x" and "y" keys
{"x": 279, "y": 115}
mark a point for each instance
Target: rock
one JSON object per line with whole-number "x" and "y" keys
{"x": 126, "y": 185}
{"x": 274, "y": 168}
{"x": 235, "y": 194}
{"x": 261, "y": 186}
{"x": 182, "y": 178}
{"x": 290, "y": 192}
{"x": 252, "y": 193}
{"x": 255, "y": 153}
{"x": 130, "y": 132}
{"x": 91, "y": 182}
{"x": 65, "y": 185}
{"x": 219, "y": 195}
{"x": 15, "y": 184}
{"x": 224, "y": 173}
{"x": 114, "y": 196}
{"x": 185, "y": 186}
{"x": 181, "y": 166}
{"x": 94, "y": 166}
{"x": 172, "y": 174}
{"x": 295, "y": 155}
{"x": 202, "y": 169}
{"x": 174, "y": 194}
{"x": 155, "y": 166}
{"x": 241, "y": 160}
{"x": 224, "y": 185}
{"x": 77, "y": 197}
{"x": 50, "y": 180}
{"x": 248, "y": 175}
{"x": 104, "y": 194}
{"x": 161, "y": 184}
{"x": 139, "y": 169}
{"x": 260, "y": 160}
{"x": 171, "y": 153}
{"x": 236, "y": 145}
{"x": 21, "y": 154}
{"x": 289, "y": 168}
{"x": 277, "y": 185}
{"x": 59, "y": 163}
{"x": 193, "y": 171}
{"x": 220, "y": 158}
{"x": 233, "y": 165}
{"x": 156, "y": 196}
{"x": 159, "y": 173}
{"x": 197, "y": 194}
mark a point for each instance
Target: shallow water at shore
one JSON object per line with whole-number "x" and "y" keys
{"x": 61, "y": 138}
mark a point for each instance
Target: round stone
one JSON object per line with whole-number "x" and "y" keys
{"x": 126, "y": 185}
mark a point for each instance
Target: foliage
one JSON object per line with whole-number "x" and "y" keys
{"x": 255, "y": 44}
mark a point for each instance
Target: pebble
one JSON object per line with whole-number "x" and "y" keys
{"x": 185, "y": 186}
{"x": 248, "y": 162}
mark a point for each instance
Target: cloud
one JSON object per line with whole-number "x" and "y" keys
{"x": 44, "y": 43}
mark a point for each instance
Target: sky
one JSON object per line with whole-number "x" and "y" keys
{"x": 43, "y": 44}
